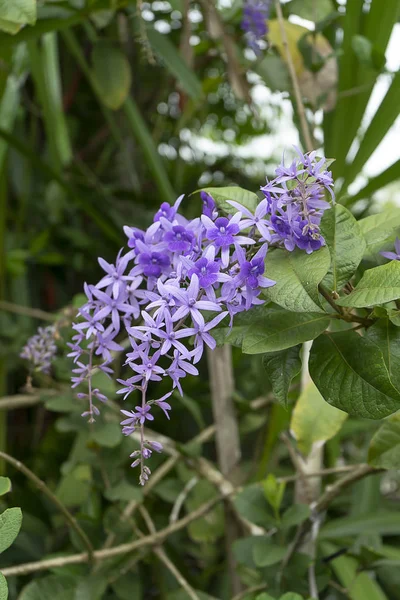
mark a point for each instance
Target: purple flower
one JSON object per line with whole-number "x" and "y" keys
{"x": 112, "y": 306}
{"x": 115, "y": 273}
{"x": 130, "y": 423}
{"x": 133, "y": 234}
{"x": 171, "y": 337}
{"x": 165, "y": 407}
{"x": 179, "y": 239}
{"x": 393, "y": 255}
{"x": 153, "y": 263}
{"x": 204, "y": 337}
{"x": 41, "y": 349}
{"x": 143, "y": 413}
{"x": 209, "y": 207}
{"x": 168, "y": 212}
{"x": 188, "y": 302}
{"x": 257, "y": 220}
{"x": 148, "y": 369}
{"x": 255, "y": 15}
{"x": 223, "y": 234}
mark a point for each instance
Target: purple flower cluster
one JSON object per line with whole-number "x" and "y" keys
{"x": 393, "y": 255}
{"x": 40, "y": 349}
{"x": 254, "y": 22}
{"x": 295, "y": 202}
{"x": 179, "y": 279}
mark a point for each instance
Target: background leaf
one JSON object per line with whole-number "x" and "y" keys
{"x": 10, "y": 524}
{"x": 313, "y": 420}
{"x": 384, "y": 448}
{"x": 281, "y": 367}
{"x": 377, "y": 286}
{"x": 112, "y": 74}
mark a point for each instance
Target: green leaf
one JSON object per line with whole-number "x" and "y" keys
{"x": 384, "y": 448}
{"x": 107, "y": 434}
{"x": 74, "y": 488}
{"x": 112, "y": 74}
{"x": 386, "y": 336}
{"x": 274, "y": 72}
{"x": 174, "y": 62}
{"x": 380, "y": 523}
{"x": 377, "y": 286}
{"x": 5, "y": 485}
{"x": 210, "y": 527}
{"x": 379, "y": 229}
{"x": 346, "y": 244}
{"x": 10, "y": 524}
{"x": 281, "y": 367}
{"x": 273, "y": 491}
{"x": 17, "y": 13}
{"x": 266, "y": 553}
{"x": 313, "y": 420}
{"x": 297, "y": 276}
{"x": 221, "y": 195}
{"x": 252, "y": 505}
{"x": 3, "y": 588}
{"x": 128, "y": 586}
{"x": 49, "y": 588}
{"x": 291, "y": 596}
{"x": 308, "y": 9}
{"x": 362, "y": 47}
{"x": 279, "y": 330}
{"x": 351, "y": 374}
{"x": 295, "y": 514}
{"x": 124, "y": 491}
{"x": 359, "y": 585}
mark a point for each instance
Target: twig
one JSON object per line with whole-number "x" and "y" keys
{"x": 27, "y": 311}
{"x": 47, "y": 492}
{"x": 322, "y": 473}
{"x": 161, "y": 554}
{"x": 181, "y": 499}
{"x": 251, "y": 590}
{"x": 24, "y": 400}
{"x": 149, "y": 540}
{"x": 295, "y": 83}
{"x": 334, "y": 490}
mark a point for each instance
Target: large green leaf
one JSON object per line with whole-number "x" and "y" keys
{"x": 387, "y": 337}
{"x": 297, "y": 276}
{"x": 281, "y": 367}
{"x": 346, "y": 245}
{"x": 359, "y": 585}
{"x": 112, "y": 74}
{"x": 3, "y": 588}
{"x": 238, "y": 194}
{"x": 379, "y": 229}
{"x": 280, "y": 329}
{"x": 377, "y": 286}
{"x": 10, "y": 524}
{"x": 313, "y": 420}
{"x": 174, "y": 62}
{"x": 307, "y": 9}
{"x": 351, "y": 374}
{"x": 384, "y": 448}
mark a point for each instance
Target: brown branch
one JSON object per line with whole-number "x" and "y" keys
{"x": 322, "y": 473}
{"x": 49, "y": 494}
{"x": 27, "y": 311}
{"x": 149, "y": 540}
{"x": 295, "y": 83}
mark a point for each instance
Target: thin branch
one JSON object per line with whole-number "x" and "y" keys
{"x": 251, "y": 590}
{"x": 27, "y": 311}
{"x": 322, "y": 473}
{"x": 295, "y": 83}
{"x": 149, "y": 540}
{"x": 49, "y": 494}
{"x": 334, "y": 490}
{"x": 176, "y": 509}
{"x": 162, "y": 555}
{"x": 24, "y": 400}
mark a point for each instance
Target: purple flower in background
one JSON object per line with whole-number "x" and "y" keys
{"x": 254, "y": 22}
{"x": 143, "y": 413}
{"x": 393, "y": 255}
{"x": 41, "y": 349}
